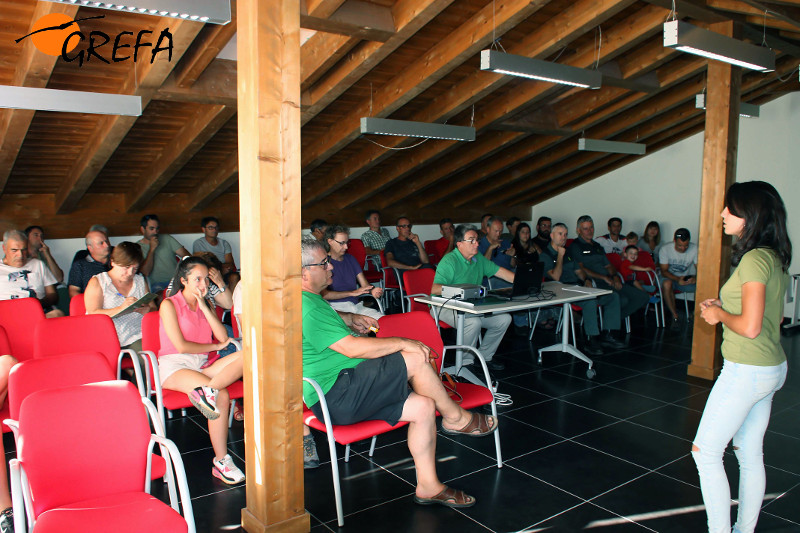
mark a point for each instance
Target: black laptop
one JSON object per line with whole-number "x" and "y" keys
{"x": 527, "y": 281}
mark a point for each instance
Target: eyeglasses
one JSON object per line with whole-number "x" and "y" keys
{"x": 342, "y": 243}
{"x": 212, "y": 227}
{"x": 470, "y": 241}
{"x": 324, "y": 263}
{"x": 405, "y": 226}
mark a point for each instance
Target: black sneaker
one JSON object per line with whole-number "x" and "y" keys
{"x": 310, "y": 456}
{"x": 592, "y": 347}
{"x": 608, "y": 341}
{"x": 495, "y": 366}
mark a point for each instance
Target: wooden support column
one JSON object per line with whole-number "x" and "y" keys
{"x": 720, "y": 149}
{"x": 269, "y": 200}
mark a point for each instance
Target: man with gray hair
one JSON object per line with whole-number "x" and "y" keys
{"x": 389, "y": 379}
{"x": 24, "y": 277}
{"x": 95, "y": 262}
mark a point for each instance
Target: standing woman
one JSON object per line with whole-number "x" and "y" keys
{"x": 750, "y": 309}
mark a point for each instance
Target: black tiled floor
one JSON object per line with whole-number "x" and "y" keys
{"x": 610, "y": 454}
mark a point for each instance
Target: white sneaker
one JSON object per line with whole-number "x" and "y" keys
{"x": 205, "y": 399}
{"x": 227, "y": 471}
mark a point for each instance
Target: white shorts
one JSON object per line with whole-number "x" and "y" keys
{"x": 169, "y": 364}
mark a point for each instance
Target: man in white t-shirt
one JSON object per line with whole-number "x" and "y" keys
{"x": 21, "y": 277}
{"x": 678, "y": 263}
{"x": 210, "y": 242}
{"x": 612, "y": 242}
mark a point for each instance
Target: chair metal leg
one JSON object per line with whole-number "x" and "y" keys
{"x": 372, "y": 445}
{"x": 347, "y": 454}
{"x": 230, "y": 413}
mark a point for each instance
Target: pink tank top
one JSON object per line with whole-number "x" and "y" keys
{"x": 193, "y": 324}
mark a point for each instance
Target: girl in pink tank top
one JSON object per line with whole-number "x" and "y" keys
{"x": 185, "y": 330}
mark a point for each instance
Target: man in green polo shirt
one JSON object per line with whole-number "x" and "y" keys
{"x": 466, "y": 265}
{"x": 365, "y": 378}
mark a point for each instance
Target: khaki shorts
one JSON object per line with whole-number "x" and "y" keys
{"x": 169, "y": 364}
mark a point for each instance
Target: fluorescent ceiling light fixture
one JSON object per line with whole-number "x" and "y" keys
{"x": 211, "y": 11}
{"x": 693, "y": 40}
{"x": 15, "y": 97}
{"x": 536, "y": 69}
{"x": 614, "y": 147}
{"x": 745, "y": 110}
{"x": 407, "y": 128}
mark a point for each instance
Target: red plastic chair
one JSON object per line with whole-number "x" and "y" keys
{"x": 77, "y": 305}
{"x": 86, "y": 333}
{"x": 652, "y": 284}
{"x": 432, "y": 249}
{"x": 356, "y": 248}
{"x": 168, "y": 399}
{"x": 106, "y": 434}
{"x": 19, "y": 317}
{"x": 419, "y": 283}
{"x": 5, "y": 349}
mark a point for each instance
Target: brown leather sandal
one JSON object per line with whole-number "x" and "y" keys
{"x": 449, "y": 497}
{"x": 478, "y": 426}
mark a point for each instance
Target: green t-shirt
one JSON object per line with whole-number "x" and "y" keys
{"x": 453, "y": 268}
{"x": 322, "y": 326}
{"x": 164, "y": 263}
{"x": 763, "y": 266}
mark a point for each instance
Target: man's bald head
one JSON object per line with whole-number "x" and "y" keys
{"x": 98, "y": 246}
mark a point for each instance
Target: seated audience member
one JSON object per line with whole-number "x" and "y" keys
{"x": 348, "y": 282}
{"x": 678, "y": 263}
{"x": 629, "y": 268}
{"x": 650, "y": 241}
{"x": 525, "y": 249}
{"x": 512, "y": 224}
{"x": 611, "y": 242}
{"x": 6, "y": 510}
{"x": 388, "y": 379}
{"x": 318, "y": 227}
{"x": 560, "y": 265}
{"x": 81, "y": 254}
{"x": 376, "y": 237}
{"x": 446, "y": 243}
{"x": 218, "y": 293}
{"x": 221, "y": 248}
{"x": 591, "y": 257}
{"x": 95, "y": 262}
{"x": 406, "y": 252}
{"x": 466, "y": 265}
{"x": 21, "y": 277}
{"x": 542, "y": 238}
{"x": 160, "y": 251}
{"x": 495, "y": 249}
{"x": 38, "y": 249}
{"x": 110, "y": 292}
{"x": 632, "y": 239}
{"x": 484, "y": 225}
{"x": 185, "y": 331}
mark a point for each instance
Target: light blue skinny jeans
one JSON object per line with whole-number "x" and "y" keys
{"x": 738, "y": 408}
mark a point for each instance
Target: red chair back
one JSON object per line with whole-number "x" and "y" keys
{"x": 5, "y": 346}
{"x": 77, "y": 305}
{"x": 569, "y": 241}
{"x": 645, "y": 260}
{"x": 389, "y": 278}
{"x": 150, "y": 339}
{"x": 418, "y": 281}
{"x": 417, "y": 325}
{"x": 357, "y": 250}
{"x": 432, "y": 250}
{"x": 71, "y": 334}
{"x": 53, "y": 373}
{"x": 615, "y": 260}
{"x": 106, "y": 434}
{"x": 19, "y": 317}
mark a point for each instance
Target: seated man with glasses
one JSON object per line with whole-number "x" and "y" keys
{"x": 406, "y": 252}
{"x": 390, "y": 379}
{"x": 349, "y": 282}
{"x": 466, "y": 265}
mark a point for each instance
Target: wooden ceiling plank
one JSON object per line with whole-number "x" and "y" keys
{"x": 204, "y": 49}
{"x": 322, "y": 8}
{"x": 194, "y": 134}
{"x": 774, "y": 12}
{"x": 688, "y": 9}
{"x": 355, "y": 18}
{"x": 409, "y": 16}
{"x": 215, "y": 86}
{"x": 217, "y": 182}
{"x": 144, "y": 80}
{"x": 33, "y": 69}
{"x": 462, "y": 43}
{"x": 734, "y": 6}
{"x": 562, "y": 29}
{"x": 769, "y": 22}
{"x": 320, "y": 53}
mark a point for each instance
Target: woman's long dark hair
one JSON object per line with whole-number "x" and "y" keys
{"x": 183, "y": 270}
{"x": 764, "y": 214}
{"x": 522, "y": 253}
{"x": 652, "y": 224}
{"x": 515, "y": 242}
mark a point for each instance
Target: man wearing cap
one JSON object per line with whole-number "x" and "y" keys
{"x": 678, "y": 263}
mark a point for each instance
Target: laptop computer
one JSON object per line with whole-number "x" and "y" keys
{"x": 527, "y": 281}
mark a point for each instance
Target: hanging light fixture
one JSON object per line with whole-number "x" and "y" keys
{"x": 693, "y": 40}
{"x": 537, "y": 69}
{"x": 407, "y": 128}
{"x": 211, "y": 11}
{"x": 745, "y": 110}
{"x": 613, "y": 147}
{"x": 36, "y": 99}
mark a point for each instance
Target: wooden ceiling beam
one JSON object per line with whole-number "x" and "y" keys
{"x": 204, "y": 49}
{"x": 217, "y": 182}
{"x": 562, "y": 29}
{"x": 355, "y": 18}
{"x": 409, "y": 17}
{"x": 688, "y": 9}
{"x": 775, "y": 12}
{"x": 734, "y": 6}
{"x": 461, "y": 44}
{"x": 33, "y": 69}
{"x": 320, "y": 8}
{"x": 194, "y": 134}
{"x": 215, "y": 86}
{"x": 143, "y": 80}
{"x": 320, "y": 53}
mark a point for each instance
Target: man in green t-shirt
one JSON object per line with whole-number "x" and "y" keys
{"x": 159, "y": 251}
{"x": 365, "y": 378}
